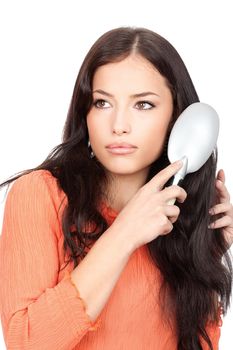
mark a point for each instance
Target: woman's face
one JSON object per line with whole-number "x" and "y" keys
{"x": 119, "y": 116}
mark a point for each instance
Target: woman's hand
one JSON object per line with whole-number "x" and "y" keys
{"x": 223, "y": 208}
{"x": 147, "y": 214}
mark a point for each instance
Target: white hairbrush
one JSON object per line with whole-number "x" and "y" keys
{"x": 193, "y": 139}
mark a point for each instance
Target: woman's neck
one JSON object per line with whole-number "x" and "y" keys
{"x": 123, "y": 187}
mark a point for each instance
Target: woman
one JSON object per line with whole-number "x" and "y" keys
{"x": 92, "y": 255}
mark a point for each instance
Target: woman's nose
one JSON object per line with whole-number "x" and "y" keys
{"x": 121, "y": 123}
{"x": 119, "y": 132}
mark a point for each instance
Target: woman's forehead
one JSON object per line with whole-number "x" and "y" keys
{"x": 132, "y": 75}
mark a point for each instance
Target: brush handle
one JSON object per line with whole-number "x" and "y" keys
{"x": 179, "y": 177}
{"x": 177, "y": 180}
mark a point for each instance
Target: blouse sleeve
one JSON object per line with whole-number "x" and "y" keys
{"x": 37, "y": 312}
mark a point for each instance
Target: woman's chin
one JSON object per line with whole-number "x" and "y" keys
{"x": 126, "y": 171}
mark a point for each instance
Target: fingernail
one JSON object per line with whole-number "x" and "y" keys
{"x": 211, "y": 211}
{"x": 179, "y": 162}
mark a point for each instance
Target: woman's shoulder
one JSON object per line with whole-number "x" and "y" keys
{"x": 41, "y": 175}
{"x": 34, "y": 177}
{"x": 38, "y": 183}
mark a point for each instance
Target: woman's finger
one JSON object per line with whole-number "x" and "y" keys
{"x": 224, "y": 195}
{"x": 222, "y": 222}
{"x": 221, "y": 176}
{"x": 221, "y": 208}
{"x": 172, "y": 212}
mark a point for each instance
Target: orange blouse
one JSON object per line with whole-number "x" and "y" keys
{"x": 40, "y": 306}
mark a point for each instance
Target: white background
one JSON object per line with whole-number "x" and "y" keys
{"x": 43, "y": 44}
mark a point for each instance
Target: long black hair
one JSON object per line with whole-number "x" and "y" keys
{"x": 193, "y": 259}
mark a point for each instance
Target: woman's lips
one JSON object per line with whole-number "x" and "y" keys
{"x": 121, "y": 150}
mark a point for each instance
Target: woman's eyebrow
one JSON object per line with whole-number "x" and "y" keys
{"x": 141, "y": 94}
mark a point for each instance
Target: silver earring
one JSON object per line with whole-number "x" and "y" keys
{"x": 91, "y": 152}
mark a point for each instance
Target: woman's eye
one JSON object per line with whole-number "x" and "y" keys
{"x": 100, "y": 104}
{"x": 145, "y": 105}
{"x": 142, "y": 105}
